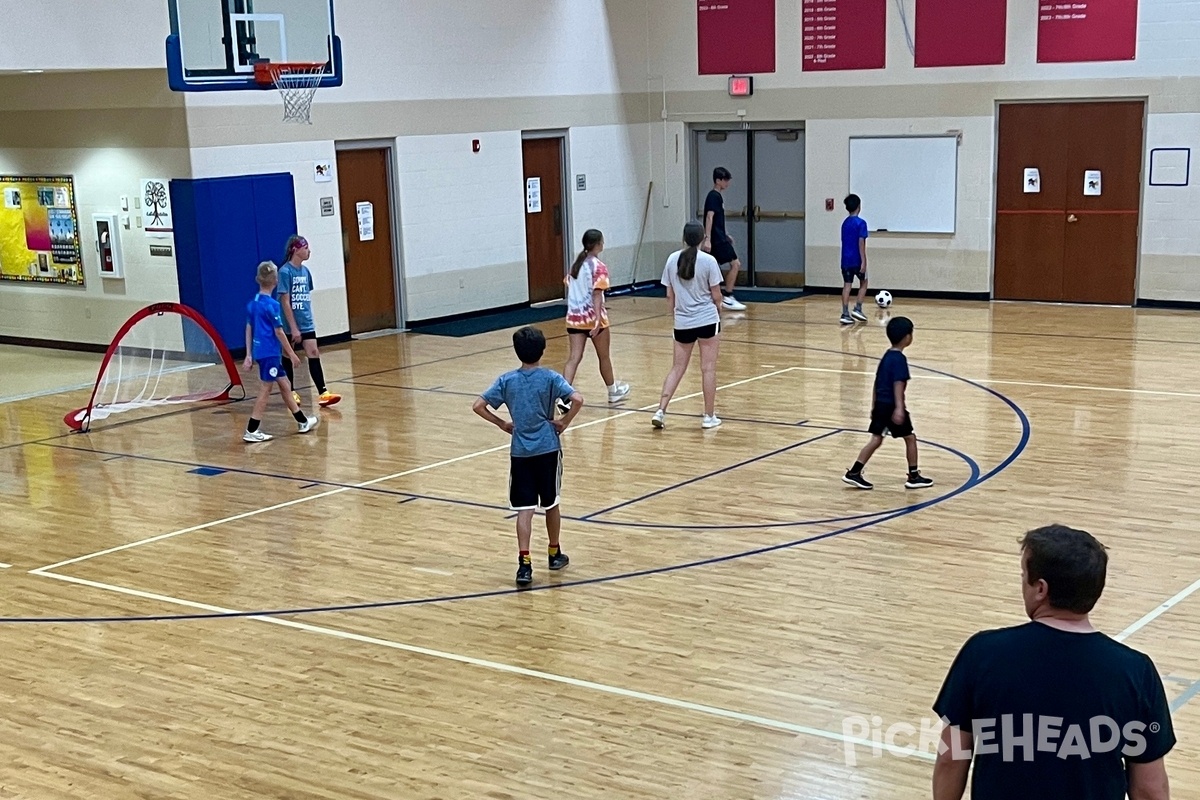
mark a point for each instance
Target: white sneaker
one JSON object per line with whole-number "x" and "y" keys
{"x": 562, "y": 405}
{"x": 732, "y": 303}
{"x": 657, "y": 420}
{"x": 857, "y": 313}
{"x": 618, "y": 392}
{"x": 257, "y": 436}
{"x": 710, "y": 421}
{"x": 308, "y": 424}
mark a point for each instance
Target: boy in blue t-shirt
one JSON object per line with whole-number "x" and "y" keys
{"x": 890, "y": 410}
{"x": 536, "y": 455}
{"x": 294, "y": 294}
{"x": 266, "y": 344}
{"x": 854, "y": 260}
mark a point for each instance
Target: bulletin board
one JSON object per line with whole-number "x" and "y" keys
{"x": 39, "y": 231}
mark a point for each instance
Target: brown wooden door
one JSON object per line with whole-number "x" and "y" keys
{"x": 1060, "y": 244}
{"x": 1029, "y": 226}
{"x": 544, "y": 224}
{"x": 367, "y": 238}
{"x": 1102, "y": 231}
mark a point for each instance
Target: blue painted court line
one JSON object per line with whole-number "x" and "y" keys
{"x": 968, "y": 484}
{"x": 1022, "y": 417}
{"x": 707, "y": 475}
{"x": 1188, "y": 695}
{"x": 207, "y": 472}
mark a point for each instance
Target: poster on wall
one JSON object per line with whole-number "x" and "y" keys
{"x": 1087, "y": 30}
{"x": 39, "y": 231}
{"x": 156, "y": 208}
{"x": 951, "y": 33}
{"x": 843, "y": 34}
{"x": 735, "y": 36}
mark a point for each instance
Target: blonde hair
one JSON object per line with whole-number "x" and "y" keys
{"x": 268, "y": 273}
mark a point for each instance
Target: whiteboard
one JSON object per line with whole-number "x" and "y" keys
{"x": 908, "y": 184}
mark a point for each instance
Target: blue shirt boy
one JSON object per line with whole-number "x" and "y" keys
{"x": 264, "y": 316}
{"x": 854, "y": 229}
{"x": 530, "y": 395}
{"x": 297, "y": 284}
{"x": 893, "y": 367}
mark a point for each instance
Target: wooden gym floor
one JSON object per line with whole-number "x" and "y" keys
{"x": 333, "y": 616}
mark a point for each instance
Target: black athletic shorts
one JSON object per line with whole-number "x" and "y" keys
{"x": 881, "y": 422}
{"x": 304, "y": 337}
{"x": 580, "y": 331}
{"x": 690, "y": 335}
{"x": 724, "y": 253}
{"x": 535, "y": 481}
{"x": 851, "y": 274}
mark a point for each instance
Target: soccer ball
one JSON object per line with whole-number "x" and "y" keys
{"x": 883, "y": 299}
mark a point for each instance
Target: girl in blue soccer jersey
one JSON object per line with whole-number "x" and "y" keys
{"x": 294, "y": 294}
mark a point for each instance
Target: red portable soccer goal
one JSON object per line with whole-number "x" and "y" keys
{"x": 165, "y": 354}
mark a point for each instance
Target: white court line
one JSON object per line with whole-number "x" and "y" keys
{"x": 713, "y": 711}
{"x": 1158, "y": 612}
{"x": 309, "y": 498}
{"x": 433, "y": 571}
{"x": 999, "y": 382}
{"x": 5, "y": 566}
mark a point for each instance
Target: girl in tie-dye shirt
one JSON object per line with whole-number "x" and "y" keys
{"x": 587, "y": 318}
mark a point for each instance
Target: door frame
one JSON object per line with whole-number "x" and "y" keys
{"x": 399, "y": 284}
{"x": 693, "y": 162}
{"x": 564, "y": 169}
{"x": 1145, "y": 101}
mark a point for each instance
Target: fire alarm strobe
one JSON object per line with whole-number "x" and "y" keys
{"x": 741, "y": 86}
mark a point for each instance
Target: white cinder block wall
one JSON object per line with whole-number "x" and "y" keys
{"x": 324, "y": 234}
{"x": 902, "y": 99}
{"x": 462, "y": 221}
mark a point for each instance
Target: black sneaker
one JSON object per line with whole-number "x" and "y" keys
{"x": 559, "y": 560}
{"x": 917, "y": 481}
{"x": 524, "y": 573}
{"x": 857, "y": 480}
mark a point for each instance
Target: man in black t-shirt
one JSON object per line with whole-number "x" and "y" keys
{"x": 717, "y": 240}
{"x": 1053, "y": 709}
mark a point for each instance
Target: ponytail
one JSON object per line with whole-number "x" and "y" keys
{"x": 693, "y": 234}
{"x": 591, "y": 238}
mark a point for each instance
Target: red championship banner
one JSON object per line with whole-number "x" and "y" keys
{"x": 1087, "y": 30}
{"x": 735, "y": 36}
{"x": 844, "y": 34}
{"x": 961, "y": 33}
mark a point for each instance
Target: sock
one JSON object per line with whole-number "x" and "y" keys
{"x": 553, "y": 549}
{"x": 912, "y": 470}
{"x": 845, "y": 309}
{"x": 287, "y": 370}
{"x": 524, "y": 556}
{"x": 857, "y": 468}
{"x": 252, "y": 425}
{"x": 318, "y": 374}
{"x": 858, "y": 306}
{"x": 299, "y": 417}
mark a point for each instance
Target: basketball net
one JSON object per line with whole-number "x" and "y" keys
{"x": 297, "y": 84}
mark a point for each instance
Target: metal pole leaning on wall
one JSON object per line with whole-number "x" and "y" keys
{"x": 637, "y": 253}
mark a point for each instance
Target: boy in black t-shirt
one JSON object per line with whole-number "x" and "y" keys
{"x": 717, "y": 240}
{"x": 889, "y": 411}
{"x": 1054, "y": 709}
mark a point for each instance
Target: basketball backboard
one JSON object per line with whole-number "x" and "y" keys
{"x": 214, "y": 44}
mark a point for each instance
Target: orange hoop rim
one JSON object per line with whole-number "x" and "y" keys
{"x": 267, "y": 73}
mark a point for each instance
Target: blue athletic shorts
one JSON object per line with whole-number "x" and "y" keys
{"x": 270, "y": 369}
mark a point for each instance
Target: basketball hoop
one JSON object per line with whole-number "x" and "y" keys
{"x": 297, "y": 84}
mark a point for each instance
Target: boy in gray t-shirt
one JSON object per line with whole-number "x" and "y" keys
{"x": 535, "y": 477}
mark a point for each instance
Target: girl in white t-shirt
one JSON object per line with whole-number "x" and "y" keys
{"x": 587, "y": 317}
{"x": 693, "y": 281}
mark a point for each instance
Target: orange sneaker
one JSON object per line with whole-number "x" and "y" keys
{"x": 329, "y": 399}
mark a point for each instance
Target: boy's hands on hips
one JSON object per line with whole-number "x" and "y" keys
{"x": 560, "y": 425}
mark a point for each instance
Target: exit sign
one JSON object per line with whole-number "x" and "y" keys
{"x": 741, "y": 86}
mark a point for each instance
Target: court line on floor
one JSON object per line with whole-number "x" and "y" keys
{"x": 5, "y": 566}
{"x": 1161, "y": 609}
{"x": 496, "y": 666}
{"x": 405, "y": 473}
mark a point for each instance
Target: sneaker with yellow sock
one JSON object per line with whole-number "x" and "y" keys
{"x": 558, "y": 559}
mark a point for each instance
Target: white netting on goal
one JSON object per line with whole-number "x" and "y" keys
{"x": 164, "y": 355}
